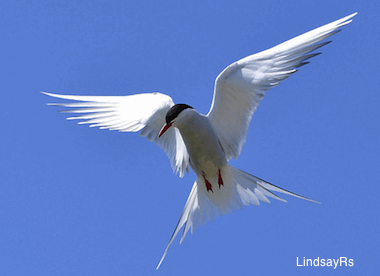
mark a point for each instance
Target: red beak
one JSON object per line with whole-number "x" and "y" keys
{"x": 164, "y": 129}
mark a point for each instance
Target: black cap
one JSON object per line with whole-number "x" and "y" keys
{"x": 174, "y": 111}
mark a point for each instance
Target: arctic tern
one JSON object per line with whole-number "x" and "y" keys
{"x": 207, "y": 142}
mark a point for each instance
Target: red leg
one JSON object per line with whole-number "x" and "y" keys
{"x": 220, "y": 180}
{"x": 208, "y": 184}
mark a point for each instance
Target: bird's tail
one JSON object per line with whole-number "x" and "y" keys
{"x": 239, "y": 189}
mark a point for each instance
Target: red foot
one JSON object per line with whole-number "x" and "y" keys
{"x": 208, "y": 184}
{"x": 220, "y": 180}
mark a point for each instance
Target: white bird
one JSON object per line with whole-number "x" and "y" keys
{"x": 207, "y": 142}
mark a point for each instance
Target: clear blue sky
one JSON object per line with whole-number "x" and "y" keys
{"x": 81, "y": 201}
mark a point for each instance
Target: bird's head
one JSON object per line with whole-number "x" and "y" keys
{"x": 173, "y": 116}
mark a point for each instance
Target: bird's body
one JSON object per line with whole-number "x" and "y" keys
{"x": 205, "y": 152}
{"x": 207, "y": 142}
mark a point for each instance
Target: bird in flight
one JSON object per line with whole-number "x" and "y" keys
{"x": 205, "y": 143}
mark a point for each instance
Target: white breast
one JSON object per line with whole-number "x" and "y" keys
{"x": 206, "y": 154}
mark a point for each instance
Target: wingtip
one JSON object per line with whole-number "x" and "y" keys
{"x": 350, "y": 16}
{"x": 48, "y": 94}
{"x": 353, "y": 14}
{"x": 347, "y": 20}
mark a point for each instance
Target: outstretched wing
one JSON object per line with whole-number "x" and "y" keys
{"x": 241, "y": 86}
{"x": 145, "y": 112}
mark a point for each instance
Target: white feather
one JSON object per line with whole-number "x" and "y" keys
{"x": 240, "y": 189}
{"x": 145, "y": 112}
{"x": 241, "y": 86}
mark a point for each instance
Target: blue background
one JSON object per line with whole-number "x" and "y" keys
{"x": 81, "y": 201}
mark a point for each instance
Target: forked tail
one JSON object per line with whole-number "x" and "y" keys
{"x": 239, "y": 189}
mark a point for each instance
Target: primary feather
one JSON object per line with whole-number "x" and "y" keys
{"x": 145, "y": 112}
{"x": 241, "y": 86}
